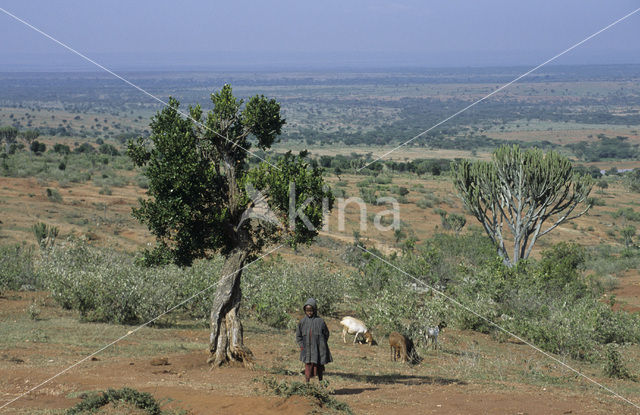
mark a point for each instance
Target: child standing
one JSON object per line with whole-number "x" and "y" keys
{"x": 312, "y": 335}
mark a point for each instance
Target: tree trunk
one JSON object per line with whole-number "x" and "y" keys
{"x": 226, "y": 340}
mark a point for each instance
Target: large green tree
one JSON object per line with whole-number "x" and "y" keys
{"x": 205, "y": 198}
{"x": 522, "y": 190}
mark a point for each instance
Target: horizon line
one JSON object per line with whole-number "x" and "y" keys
{"x": 304, "y": 68}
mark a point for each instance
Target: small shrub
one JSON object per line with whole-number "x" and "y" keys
{"x": 403, "y": 191}
{"x": 383, "y": 179}
{"x": 53, "y": 195}
{"x": 596, "y": 201}
{"x": 95, "y": 401}
{"x": 339, "y": 192}
{"x": 34, "y": 311}
{"x": 368, "y": 195}
{"x": 105, "y": 190}
{"x": 310, "y": 390}
{"x": 142, "y": 181}
{"x": 614, "y": 367}
{"x": 425, "y": 203}
{"x": 45, "y": 235}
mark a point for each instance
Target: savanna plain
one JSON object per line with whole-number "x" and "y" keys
{"x": 72, "y": 280}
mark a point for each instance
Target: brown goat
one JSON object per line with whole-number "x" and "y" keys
{"x": 398, "y": 345}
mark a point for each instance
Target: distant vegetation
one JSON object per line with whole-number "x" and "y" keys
{"x": 605, "y": 148}
{"x": 349, "y": 109}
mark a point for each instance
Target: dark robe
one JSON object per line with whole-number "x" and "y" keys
{"x": 312, "y": 335}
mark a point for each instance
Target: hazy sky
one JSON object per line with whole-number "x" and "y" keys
{"x": 303, "y": 34}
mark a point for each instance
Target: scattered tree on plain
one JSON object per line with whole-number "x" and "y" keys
{"x": 8, "y": 134}
{"x": 524, "y": 190}
{"x": 200, "y": 199}
{"x": 29, "y": 136}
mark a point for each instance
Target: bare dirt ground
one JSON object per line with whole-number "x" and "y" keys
{"x": 460, "y": 379}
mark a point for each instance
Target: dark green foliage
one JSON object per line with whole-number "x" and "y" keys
{"x": 628, "y": 232}
{"x": 84, "y": 148}
{"x": 614, "y": 367}
{"x": 93, "y": 402}
{"x": 17, "y": 268}
{"x": 108, "y": 149}
{"x": 185, "y": 210}
{"x": 354, "y": 161}
{"x": 30, "y": 135}
{"x": 368, "y": 195}
{"x": 277, "y": 178}
{"x": 61, "y": 148}
{"x": 453, "y": 221}
{"x": 559, "y": 268}
{"x": 37, "y": 147}
{"x": 198, "y": 179}
{"x": 45, "y": 235}
{"x": 592, "y": 171}
{"x": 605, "y": 148}
{"x": 595, "y": 201}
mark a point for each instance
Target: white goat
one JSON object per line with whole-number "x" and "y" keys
{"x": 432, "y": 334}
{"x": 352, "y": 325}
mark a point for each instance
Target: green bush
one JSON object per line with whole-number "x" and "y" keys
{"x": 606, "y": 260}
{"x": 614, "y": 367}
{"x": 428, "y": 201}
{"x": 45, "y": 235}
{"x": 275, "y": 290}
{"x": 104, "y": 285}
{"x": 93, "y": 402}
{"x": 549, "y": 303}
{"x": 369, "y": 196}
{"x": 17, "y": 268}
{"x": 401, "y": 303}
{"x": 626, "y": 213}
{"x": 53, "y": 195}
{"x": 383, "y": 179}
